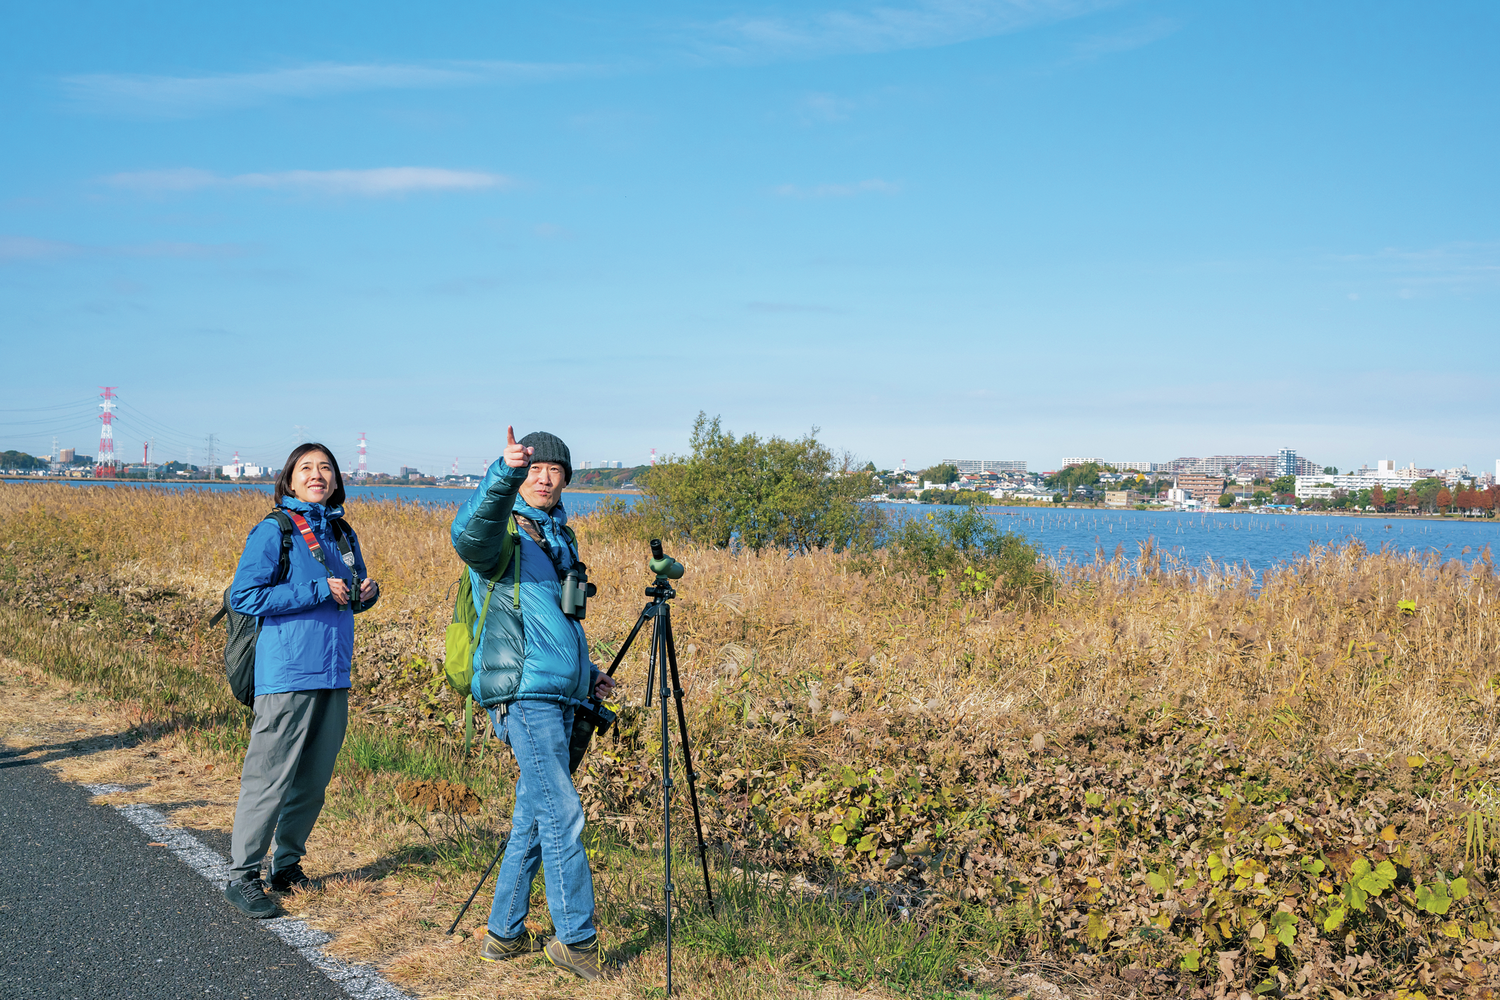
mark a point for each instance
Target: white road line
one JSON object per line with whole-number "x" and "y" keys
{"x": 356, "y": 980}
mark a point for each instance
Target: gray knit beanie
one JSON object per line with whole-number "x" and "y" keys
{"x": 549, "y": 448}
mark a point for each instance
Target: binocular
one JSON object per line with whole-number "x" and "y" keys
{"x": 355, "y": 604}
{"x": 576, "y": 590}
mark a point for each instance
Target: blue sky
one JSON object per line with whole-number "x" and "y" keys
{"x": 977, "y": 228}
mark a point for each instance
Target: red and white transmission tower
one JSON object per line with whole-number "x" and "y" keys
{"x": 455, "y": 467}
{"x": 104, "y": 465}
{"x": 235, "y": 465}
{"x": 363, "y": 471}
{"x": 653, "y": 458}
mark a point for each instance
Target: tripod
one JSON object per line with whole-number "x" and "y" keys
{"x": 663, "y": 655}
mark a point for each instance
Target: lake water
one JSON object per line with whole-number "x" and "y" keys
{"x": 1254, "y": 541}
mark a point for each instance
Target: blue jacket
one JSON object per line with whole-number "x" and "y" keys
{"x": 529, "y": 649}
{"x": 306, "y": 638}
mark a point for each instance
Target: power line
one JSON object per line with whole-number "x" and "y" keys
{"x": 60, "y": 406}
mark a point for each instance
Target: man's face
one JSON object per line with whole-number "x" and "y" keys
{"x": 543, "y": 486}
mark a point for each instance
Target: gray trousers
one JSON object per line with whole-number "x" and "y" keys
{"x": 294, "y": 742}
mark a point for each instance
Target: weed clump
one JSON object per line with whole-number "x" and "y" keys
{"x": 968, "y": 552}
{"x": 439, "y": 795}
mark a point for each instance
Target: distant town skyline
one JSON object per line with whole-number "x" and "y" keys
{"x": 137, "y": 433}
{"x": 1020, "y": 228}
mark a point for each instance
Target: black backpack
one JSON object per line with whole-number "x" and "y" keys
{"x": 244, "y": 630}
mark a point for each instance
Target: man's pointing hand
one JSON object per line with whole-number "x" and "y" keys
{"x": 516, "y": 456}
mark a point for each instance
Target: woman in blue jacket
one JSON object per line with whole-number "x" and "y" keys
{"x": 302, "y": 659}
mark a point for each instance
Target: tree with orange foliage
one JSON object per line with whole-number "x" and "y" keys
{"x": 1377, "y": 497}
{"x": 1443, "y": 500}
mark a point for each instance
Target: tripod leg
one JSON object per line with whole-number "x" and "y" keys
{"x": 482, "y": 879}
{"x": 625, "y": 647}
{"x": 687, "y": 753}
{"x": 659, "y": 639}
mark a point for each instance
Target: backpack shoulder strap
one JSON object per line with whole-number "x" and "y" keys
{"x": 284, "y": 562}
{"x": 513, "y": 564}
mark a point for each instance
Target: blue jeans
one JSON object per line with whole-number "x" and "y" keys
{"x": 546, "y": 827}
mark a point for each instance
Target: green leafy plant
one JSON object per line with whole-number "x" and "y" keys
{"x": 967, "y": 546}
{"x": 1480, "y": 821}
{"x": 756, "y": 493}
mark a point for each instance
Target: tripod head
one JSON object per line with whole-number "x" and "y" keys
{"x": 666, "y": 569}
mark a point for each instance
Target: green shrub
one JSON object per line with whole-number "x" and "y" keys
{"x": 772, "y": 493}
{"x": 967, "y": 549}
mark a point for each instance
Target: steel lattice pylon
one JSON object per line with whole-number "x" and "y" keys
{"x": 104, "y": 465}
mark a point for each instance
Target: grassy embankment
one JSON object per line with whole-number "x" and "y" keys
{"x": 1154, "y": 778}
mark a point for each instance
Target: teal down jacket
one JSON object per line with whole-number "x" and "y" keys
{"x": 529, "y": 649}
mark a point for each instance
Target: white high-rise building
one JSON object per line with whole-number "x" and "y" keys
{"x": 1286, "y": 462}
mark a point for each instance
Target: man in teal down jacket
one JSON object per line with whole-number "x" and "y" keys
{"x": 531, "y": 670}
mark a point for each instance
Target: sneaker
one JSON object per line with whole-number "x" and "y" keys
{"x": 498, "y": 949}
{"x": 249, "y": 895}
{"x": 581, "y": 959}
{"x": 289, "y": 878}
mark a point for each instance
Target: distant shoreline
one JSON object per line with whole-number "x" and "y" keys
{"x": 179, "y": 481}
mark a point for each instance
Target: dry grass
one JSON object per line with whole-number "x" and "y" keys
{"x": 1323, "y": 638}
{"x": 965, "y": 735}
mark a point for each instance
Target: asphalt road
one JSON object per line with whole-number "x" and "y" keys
{"x": 88, "y": 909}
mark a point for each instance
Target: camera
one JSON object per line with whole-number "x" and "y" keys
{"x": 576, "y": 590}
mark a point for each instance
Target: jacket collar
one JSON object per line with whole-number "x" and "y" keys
{"x": 317, "y": 515}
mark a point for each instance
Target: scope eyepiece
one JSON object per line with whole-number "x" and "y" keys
{"x": 664, "y": 565}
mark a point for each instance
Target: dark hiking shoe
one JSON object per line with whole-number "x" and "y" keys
{"x": 581, "y": 959}
{"x": 289, "y": 878}
{"x": 249, "y": 895}
{"x": 498, "y": 949}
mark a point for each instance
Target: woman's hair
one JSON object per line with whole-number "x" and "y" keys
{"x": 284, "y": 481}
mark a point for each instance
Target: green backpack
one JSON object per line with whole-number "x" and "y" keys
{"x": 467, "y": 628}
{"x": 463, "y": 634}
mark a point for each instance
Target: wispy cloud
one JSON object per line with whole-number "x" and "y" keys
{"x": 789, "y": 307}
{"x": 825, "y": 108}
{"x": 881, "y": 28}
{"x": 30, "y": 248}
{"x": 156, "y": 96}
{"x": 1451, "y": 267}
{"x": 873, "y": 186}
{"x": 1096, "y": 46}
{"x": 378, "y": 182}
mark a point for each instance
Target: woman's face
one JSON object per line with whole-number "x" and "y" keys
{"x": 312, "y": 479}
